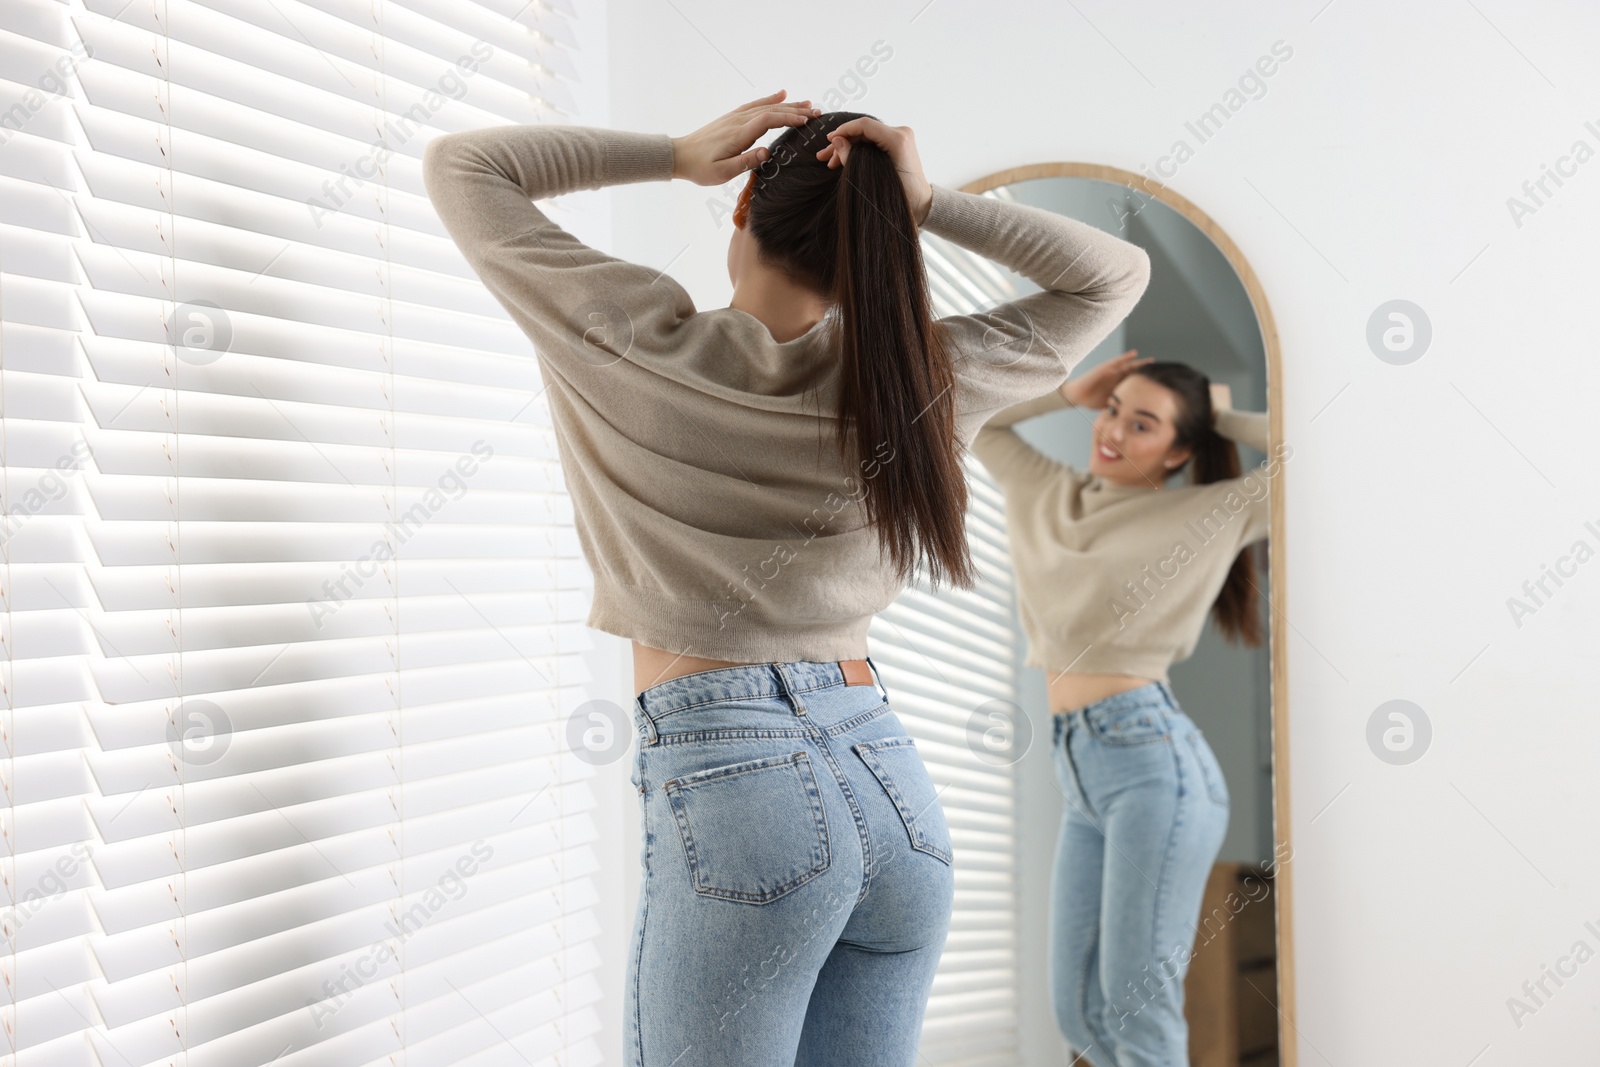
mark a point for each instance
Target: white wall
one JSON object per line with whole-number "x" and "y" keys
{"x": 1377, "y": 165}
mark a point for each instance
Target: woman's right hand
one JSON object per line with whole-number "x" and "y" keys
{"x": 1093, "y": 388}
{"x": 901, "y": 145}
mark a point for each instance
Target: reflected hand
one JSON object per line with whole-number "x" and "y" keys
{"x": 1221, "y": 397}
{"x": 720, "y": 150}
{"x": 1092, "y": 389}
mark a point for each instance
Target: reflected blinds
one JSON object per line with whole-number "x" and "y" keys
{"x": 950, "y": 661}
{"x": 292, "y": 600}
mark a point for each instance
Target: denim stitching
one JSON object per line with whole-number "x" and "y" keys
{"x": 674, "y": 788}
{"x": 691, "y": 736}
{"x": 1206, "y": 774}
{"x": 1163, "y": 883}
{"x": 1091, "y": 1021}
{"x": 820, "y": 739}
{"x": 644, "y": 916}
{"x": 686, "y": 736}
{"x": 717, "y": 774}
{"x": 675, "y": 707}
{"x": 1085, "y": 808}
{"x": 722, "y": 699}
{"x": 857, "y": 720}
{"x": 868, "y": 751}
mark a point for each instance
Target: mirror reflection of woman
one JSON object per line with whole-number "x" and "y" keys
{"x": 1115, "y": 576}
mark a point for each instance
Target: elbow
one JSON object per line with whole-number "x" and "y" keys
{"x": 434, "y": 154}
{"x": 438, "y": 157}
{"x": 1137, "y": 278}
{"x": 1121, "y": 286}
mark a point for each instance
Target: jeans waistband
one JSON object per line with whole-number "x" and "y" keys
{"x": 746, "y": 681}
{"x": 1154, "y": 694}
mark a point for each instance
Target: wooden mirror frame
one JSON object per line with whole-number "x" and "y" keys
{"x": 1278, "y": 652}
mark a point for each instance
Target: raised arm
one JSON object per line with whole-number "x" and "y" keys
{"x": 1245, "y": 427}
{"x": 1010, "y": 460}
{"x": 568, "y": 298}
{"x": 1023, "y": 348}
{"x": 1250, "y": 492}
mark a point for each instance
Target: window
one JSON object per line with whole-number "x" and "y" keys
{"x": 293, "y": 603}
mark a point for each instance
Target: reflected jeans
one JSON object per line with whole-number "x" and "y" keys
{"x": 797, "y": 877}
{"x": 1146, "y": 811}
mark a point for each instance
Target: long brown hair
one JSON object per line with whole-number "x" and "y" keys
{"x": 848, "y": 234}
{"x": 1214, "y": 459}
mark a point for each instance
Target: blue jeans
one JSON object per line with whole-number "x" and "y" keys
{"x": 1146, "y": 811}
{"x": 797, "y": 874}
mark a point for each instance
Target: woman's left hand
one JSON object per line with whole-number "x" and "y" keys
{"x": 1221, "y": 397}
{"x": 720, "y": 151}
{"x": 1093, "y": 388}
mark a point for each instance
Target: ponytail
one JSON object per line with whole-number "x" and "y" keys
{"x": 1213, "y": 458}
{"x": 896, "y": 381}
{"x": 849, "y": 234}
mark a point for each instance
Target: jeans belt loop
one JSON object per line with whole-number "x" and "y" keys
{"x": 650, "y": 734}
{"x": 786, "y": 685}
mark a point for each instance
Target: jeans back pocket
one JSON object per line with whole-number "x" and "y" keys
{"x": 897, "y": 765}
{"x": 754, "y": 830}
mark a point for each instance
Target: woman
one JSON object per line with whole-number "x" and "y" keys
{"x": 750, "y": 484}
{"x": 1115, "y": 574}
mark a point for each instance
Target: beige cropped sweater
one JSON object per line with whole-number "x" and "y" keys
{"x": 1115, "y": 579}
{"x": 708, "y": 497}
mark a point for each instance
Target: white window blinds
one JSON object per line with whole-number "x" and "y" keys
{"x": 950, "y": 662}
{"x": 292, "y": 599}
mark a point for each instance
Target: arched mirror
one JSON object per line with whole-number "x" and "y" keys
{"x": 1204, "y": 307}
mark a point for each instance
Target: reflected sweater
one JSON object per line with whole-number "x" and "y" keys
{"x": 1115, "y": 579}
{"x": 708, "y": 495}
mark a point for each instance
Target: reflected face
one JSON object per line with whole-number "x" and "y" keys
{"x": 1133, "y": 434}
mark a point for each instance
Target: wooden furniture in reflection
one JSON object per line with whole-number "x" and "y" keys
{"x": 1231, "y": 990}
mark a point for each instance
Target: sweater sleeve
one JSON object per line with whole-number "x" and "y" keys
{"x": 1250, "y": 492}
{"x": 1245, "y": 427}
{"x": 580, "y": 307}
{"x": 1023, "y": 348}
{"x": 1010, "y": 460}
